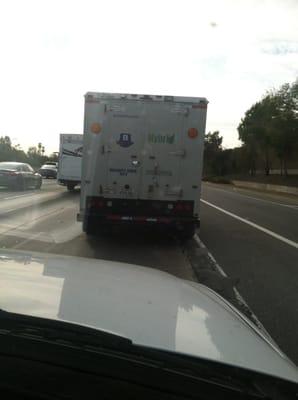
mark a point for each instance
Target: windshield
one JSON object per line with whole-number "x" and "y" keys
{"x": 149, "y": 172}
{"x": 10, "y": 166}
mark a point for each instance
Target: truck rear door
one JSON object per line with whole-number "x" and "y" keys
{"x": 122, "y": 147}
{"x": 163, "y": 151}
{"x": 71, "y": 157}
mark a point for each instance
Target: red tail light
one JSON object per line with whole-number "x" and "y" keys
{"x": 12, "y": 173}
{"x": 187, "y": 207}
{"x": 96, "y": 203}
{"x": 182, "y": 207}
{"x": 179, "y": 207}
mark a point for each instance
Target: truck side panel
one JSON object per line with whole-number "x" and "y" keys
{"x": 70, "y": 158}
{"x": 192, "y": 162}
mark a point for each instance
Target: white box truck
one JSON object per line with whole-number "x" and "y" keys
{"x": 70, "y": 160}
{"x": 142, "y": 161}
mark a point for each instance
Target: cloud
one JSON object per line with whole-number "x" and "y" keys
{"x": 282, "y": 47}
{"x": 52, "y": 52}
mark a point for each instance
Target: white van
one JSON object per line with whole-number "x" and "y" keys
{"x": 70, "y": 160}
{"x": 142, "y": 161}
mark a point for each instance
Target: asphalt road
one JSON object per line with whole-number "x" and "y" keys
{"x": 49, "y": 225}
{"x": 266, "y": 265}
{"x": 258, "y": 249}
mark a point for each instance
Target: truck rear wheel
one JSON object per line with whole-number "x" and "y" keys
{"x": 95, "y": 228}
{"x": 89, "y": 227}
{"x": 70, "y": 187}
{"x": 187, "y": 232}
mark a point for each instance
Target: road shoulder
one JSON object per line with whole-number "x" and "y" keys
{"x": 209, "y": 273}
{"x": 279, "y": 198}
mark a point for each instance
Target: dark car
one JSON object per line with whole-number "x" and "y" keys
{"x": 19, "y": 176}
{"x": 49, "y": 170}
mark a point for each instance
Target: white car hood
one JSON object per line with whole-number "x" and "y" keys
{"x": 148, "y": 306}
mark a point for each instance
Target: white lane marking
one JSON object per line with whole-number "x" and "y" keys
{"x": 256, "y": 226}
{"x": 217, "y": 266}
{"x": 239, "y": 298}
{"x": 30, "y": 194}
{"x": 294, "y": 207}
{"x": 235, "y": 190}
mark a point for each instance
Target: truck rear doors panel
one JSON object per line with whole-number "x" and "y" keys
{"x": 70, "y": 157}
{"x": 122, "y": 149}
{"x": 143, "y": 149}
{"x": 163, "y": 152}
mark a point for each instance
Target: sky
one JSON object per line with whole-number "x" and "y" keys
{"x": 53, "y": 52}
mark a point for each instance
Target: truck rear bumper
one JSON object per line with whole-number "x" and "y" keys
{"x": 66, "y": 182}
{"x": 102, "y": 211}
{"x": 116, "y": 219}
{"x": 102, "y": 206}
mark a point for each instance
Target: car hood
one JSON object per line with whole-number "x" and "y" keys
{"x": 150, "y": 307}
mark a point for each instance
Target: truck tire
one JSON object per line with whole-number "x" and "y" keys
{"x": 187, "y": 232}
{"x": 89, "y": 227}
{"x": 70, "y": 187}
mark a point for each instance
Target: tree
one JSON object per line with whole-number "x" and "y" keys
{"x": 224, "y": 162}
{"x": 40, "y": 149}
{"x": 213, "y": 142}
{"x": 5, "y": 148}
{"x": 8, "y": 152}
{"x": 248, "y": 137}
{"x": 212, "y": 148}
{"x": 5, "y": 141}
{"x": 272, "y": 124}
{"x": 255, "y": 131}
{"x": 285, "y": 123}
{"x": 36, "y": 155}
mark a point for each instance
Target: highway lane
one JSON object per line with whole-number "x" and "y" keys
{"x": 48, "y": 185}
{"x": 267, "y": 267}
{"x": 50, "y": 225}
{"x": 11, "y": 201}
{"x": 279, "y": 215}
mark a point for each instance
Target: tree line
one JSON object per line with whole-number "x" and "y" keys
{"x": 35, "y": 156}
{"x": 268, "y": 132}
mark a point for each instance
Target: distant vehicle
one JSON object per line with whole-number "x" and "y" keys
{"x": 70, "y": 160}
{"x": 52, "y": 163}
{"x": 77, "y": 328}
{"x": 19, "y": 176}
{"x": 142, "y": 161}
{"x": 49, "y": 170}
